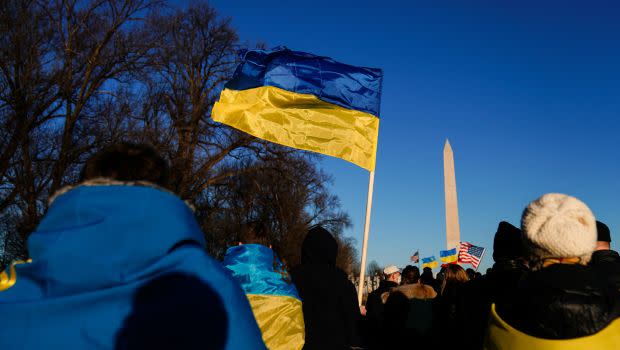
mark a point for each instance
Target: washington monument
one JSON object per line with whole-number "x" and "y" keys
{"x": 453, "y": 232}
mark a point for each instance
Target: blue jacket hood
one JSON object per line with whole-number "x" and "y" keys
{"x": 94, "y": 251}
{"x": 104, "y": 235}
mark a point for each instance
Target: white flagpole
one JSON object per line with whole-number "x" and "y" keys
{"x": 484, "y": 250}
{"x": 360, "y": 289}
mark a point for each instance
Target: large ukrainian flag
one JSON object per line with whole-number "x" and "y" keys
{"x": 305, "y": 101}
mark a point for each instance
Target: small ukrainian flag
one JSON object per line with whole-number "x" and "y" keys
{"x": 305, "y": 101}
{"x": 448, "y": 256}
{"x": 430, "y": 262}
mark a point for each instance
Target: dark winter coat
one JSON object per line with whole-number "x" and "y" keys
{"x": 331, "y": 312}
{"x": 478, "y": 295}
{"x": 449, "y": 316}
{"x": 408, "y": 317}
{"x": 607, "y": 264}
{"x": 375, "y": 312}
{"x": 561, "y": 301}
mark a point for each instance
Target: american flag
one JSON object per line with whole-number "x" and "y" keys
{"x": 469, "y": 253}
{"x": 416, "y": 257}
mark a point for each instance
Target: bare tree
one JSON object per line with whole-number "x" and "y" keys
{"x": 196, "y": 55}
{"x": 289, "y": 195}
{"x": 374, "y": 269}
{"x": 76, "y": 75}
{"x": 97, "y": 44}
{"x": 29, "y": 95}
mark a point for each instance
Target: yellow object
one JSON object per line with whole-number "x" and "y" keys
{"x": 433, "y": 264}
{"x": 301, "y": 121}
{"x": 280, "y": 319}
{"x": 449, "y": 259}
{"x": 501, "y": 336}
{"x": 7, "y": 280}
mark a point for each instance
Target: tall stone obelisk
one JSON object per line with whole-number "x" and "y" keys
{"x": 453, "y": 232}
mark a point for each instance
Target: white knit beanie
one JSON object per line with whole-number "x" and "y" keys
{"x": 559, "y": 226}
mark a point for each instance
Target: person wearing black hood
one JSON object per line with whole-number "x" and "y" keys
{"x": 331, "y": 312}
{"x": 606, "y": 262}
{"x": 507, "y": 271}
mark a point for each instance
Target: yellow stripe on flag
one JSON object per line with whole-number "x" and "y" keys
{"x": 432, "y": 264}
{"x": 280, "y": 319}
{"x": 449, "y": 259}
{"x": 301, "y": 121}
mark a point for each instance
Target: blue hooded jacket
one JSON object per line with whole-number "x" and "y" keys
{"x": 99, "y": 257}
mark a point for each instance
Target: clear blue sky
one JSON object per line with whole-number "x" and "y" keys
{"x": 528, "y": 94}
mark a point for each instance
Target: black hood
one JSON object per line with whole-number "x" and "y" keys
{"x": 319, "y": 247}
{"x": 507, "y": 244}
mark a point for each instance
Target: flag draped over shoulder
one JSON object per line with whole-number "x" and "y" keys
{"x": 448, "y": 256}
{"x": 274, "y": 299}
{"x": 305, "y": 101}
{"x": 430, "y": 262}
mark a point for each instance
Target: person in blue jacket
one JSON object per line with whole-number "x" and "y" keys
{"x": 118, "y": 262}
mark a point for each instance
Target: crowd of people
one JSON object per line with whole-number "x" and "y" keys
{"x": 118, "y": 262}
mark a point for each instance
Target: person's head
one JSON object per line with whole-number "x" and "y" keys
{"x": 319, "y": 247}
{"x": 508, "y": 243}
{"x": 453, "y": 275}
{"x": 603, "y": 236}
{"x": 392, "y": 274}
{"x": 558, "y": 229}
{"x": 410, "y": 275}
{"x": 127, "y": 162}
{"x": 471, "y": 273}
{"x": 255, "y": 232}
{"x": 442, "y": 271}
{"x": 427, "y": 276}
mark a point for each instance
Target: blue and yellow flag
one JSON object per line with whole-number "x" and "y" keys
{"x": 448, "y": 256}
{"x": 430, "y": 262}
{"x": 271, "y": 293}
{"x": 305, "y": 101}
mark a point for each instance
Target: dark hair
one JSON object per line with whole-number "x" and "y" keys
{"x": 127, "y": 162}
{"x": 410, "y": 275}
{"x": 427, "y": 276}
{"x": 453, "y": 276}
{"x": 255, "y": 232}
{"x": 603, "y": 233}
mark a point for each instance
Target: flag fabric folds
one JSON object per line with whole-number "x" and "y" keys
{"x": 430, "y": 262}
{"x": 469, "y": 253}
{"x": 415, "y": 258}
{"x": 448, "y": 256}
{"x": 305, "y": 101}
{"x": 271, "y": 294}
